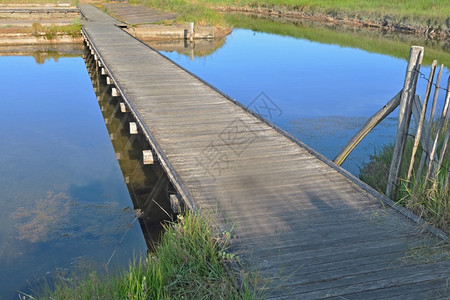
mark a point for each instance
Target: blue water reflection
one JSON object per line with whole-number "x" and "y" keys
{"x": 63, "y": 202}
{"x": 326, "y": 92}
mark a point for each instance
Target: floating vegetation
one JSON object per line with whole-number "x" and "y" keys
{"x": 58, "y": 217}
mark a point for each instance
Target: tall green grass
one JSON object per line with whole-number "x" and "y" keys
{"x": 417, "y": 13}
{"x": 188, "y": 11}
{"x": 187, "y": 264}
{"x": 429, "y": 199}
{"x": 431, "y": 12}
{"x": 52, "y": 31}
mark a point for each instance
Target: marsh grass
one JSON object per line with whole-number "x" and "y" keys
{"x": 188, "y": 11}
{"x": 53, "y": 31}
{"x": 420, "y": 13}
{"x": 428, "y": 199}
{"x": 187, "y": 264}
{"x": 432, "y": 13}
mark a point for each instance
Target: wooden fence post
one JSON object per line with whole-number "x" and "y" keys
{"x": 191, "y": 32}
{"x": 421, "y": 120}
{"x": 404, "y": 117}
{"x": 439, "y": 129}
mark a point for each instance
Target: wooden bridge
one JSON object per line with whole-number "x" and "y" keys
{"x": 308, "y": 227}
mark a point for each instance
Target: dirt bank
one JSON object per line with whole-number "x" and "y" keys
{"x": 385, "y": 24}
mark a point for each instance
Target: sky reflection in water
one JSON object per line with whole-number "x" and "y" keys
{"x": 63, "y": 197}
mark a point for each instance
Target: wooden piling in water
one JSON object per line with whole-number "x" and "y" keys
{"x": 133, "y": 128}
{"x": 191, "y": 32}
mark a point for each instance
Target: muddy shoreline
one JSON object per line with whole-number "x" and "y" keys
{"x": 385, "y": 24}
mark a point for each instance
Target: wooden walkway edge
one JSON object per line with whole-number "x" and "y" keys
{"x": 307, "y": 226}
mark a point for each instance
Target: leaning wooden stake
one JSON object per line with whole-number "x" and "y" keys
{"x": 404, "y": 117}
{"x": 370, "y": 124}
{"x": 421, "y": 120}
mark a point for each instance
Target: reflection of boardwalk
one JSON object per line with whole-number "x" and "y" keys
{"x": 303, "y": 223}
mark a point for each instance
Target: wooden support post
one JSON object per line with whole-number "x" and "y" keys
{"x": 420, "y": 123}
{"x": 404, "y": 118}
{"x": 123, "y": 107}
{"x": 104, "y": 71}
{"x": 370, "y": 124}
{"x": 112, "y": 136}
{"x": 191, "y": 32}
{"x": 133, "y": 128}
{"x": 108, "y": 80}
{"x": 176, "y": 203}
{"x": 114, "y": 92}
{"x": 148, "y": 157}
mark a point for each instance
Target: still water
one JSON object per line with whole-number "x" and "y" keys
{"x": 319, "y": 92}
{"x": 64, "y": 203}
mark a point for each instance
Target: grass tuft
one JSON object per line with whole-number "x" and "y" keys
{"x": 430, "y": 199}
{"x": 187, "y": 264}
{"x": 53, "y": 31}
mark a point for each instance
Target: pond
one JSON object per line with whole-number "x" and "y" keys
{"x": 320, "y": 84}
{"x": 65, "y": 205}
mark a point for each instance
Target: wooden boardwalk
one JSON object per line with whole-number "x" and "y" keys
{"x": 308, "y": 227}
